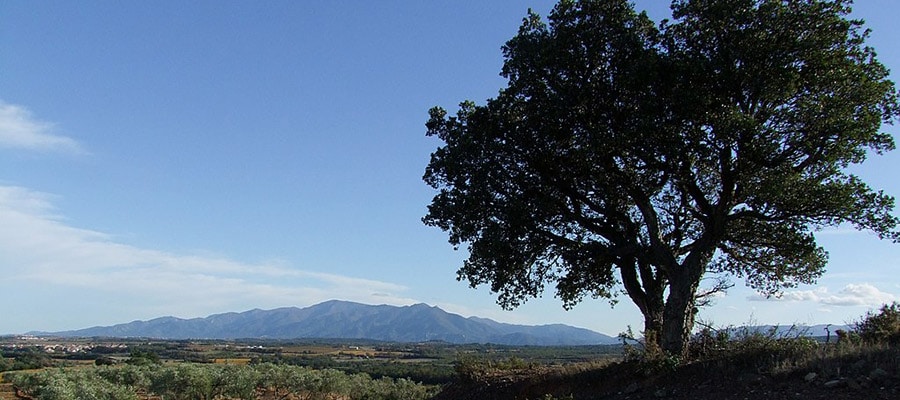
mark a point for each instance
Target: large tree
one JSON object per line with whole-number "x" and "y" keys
{"x": 650, "y": 156}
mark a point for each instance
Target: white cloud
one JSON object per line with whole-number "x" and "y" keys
{"x": 854, "y": 294}
{"x": 862, "y": 294}
{"x": 20, "y": 130}
{"x": 39, "y": 248}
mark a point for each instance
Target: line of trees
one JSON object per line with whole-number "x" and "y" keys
{"x": 209, "y": 381}
{"x": 24, "y": 359}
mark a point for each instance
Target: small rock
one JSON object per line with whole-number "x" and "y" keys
{"x": 661, "y": 393}
{"x": 834, "y": 383}
{"x": 810, "y": 377}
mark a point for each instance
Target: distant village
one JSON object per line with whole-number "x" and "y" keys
{"x": 52, "y": 346}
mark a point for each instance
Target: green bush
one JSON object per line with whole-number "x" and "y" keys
{"x": 5, "y": 364}
{"x": 27, "y": 359}
{"x": 141, "y": 357}
{"x": 881, "y": 327}
{"x": 207, "y": 381}
{"x": 60, "y": 384}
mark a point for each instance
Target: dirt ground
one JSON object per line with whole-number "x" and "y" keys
{"x": 7, "y": 392}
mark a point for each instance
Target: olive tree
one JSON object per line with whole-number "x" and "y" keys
{"x": 642, "y": 156}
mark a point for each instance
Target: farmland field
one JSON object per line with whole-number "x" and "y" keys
{"x": 352, "y": 366}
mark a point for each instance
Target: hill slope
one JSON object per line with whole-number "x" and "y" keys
{"x": 347, "y": 320}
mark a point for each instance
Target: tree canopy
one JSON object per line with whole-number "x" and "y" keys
{"x": 626, "y": 153}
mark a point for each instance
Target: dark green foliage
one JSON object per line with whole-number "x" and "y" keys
{"x": 29, "y": 358}
{"x": 104, "y": 361}
{"x": 881, "y": 327}
{"x": 207, "y": 381}
{"x": 428, "y": 373}
{"x": 143, "y": 357}
{"x": 437, "y": 363}
{"x": 433, "y": 372}
{"x": 625, "y": 152}
{"x": 59, "y": 384}
{"x": 5, "y": 364}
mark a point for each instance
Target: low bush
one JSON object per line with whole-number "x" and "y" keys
{"x": 210, "y": 381}
{"x": 873, "y": 344}
{"x": 882, "y": 326}
{"x": 25, "y": 359}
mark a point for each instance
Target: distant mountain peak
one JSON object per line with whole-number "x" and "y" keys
{"x": 340, "y": 319}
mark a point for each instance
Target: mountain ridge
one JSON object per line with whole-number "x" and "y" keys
{"x": 338, "y": 319}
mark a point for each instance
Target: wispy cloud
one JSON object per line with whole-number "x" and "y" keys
{"x": 39, "y": 247}
{"x": 20, "y": 130}
{"x": 854, "y": 294}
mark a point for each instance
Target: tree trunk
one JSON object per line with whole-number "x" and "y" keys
{"x": 678, "y": 317}
{"x": 653, "y": 321}
{"x": 653, "y": 325}
{"x": 646, "y": 291}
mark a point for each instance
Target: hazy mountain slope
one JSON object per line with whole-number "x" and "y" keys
{"x": 341, "y": 319}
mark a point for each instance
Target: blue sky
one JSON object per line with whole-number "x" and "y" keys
{"x": 190, "y": 158}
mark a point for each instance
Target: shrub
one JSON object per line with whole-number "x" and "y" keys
{"x": 470, "y": 368}
{"x": 881, "y": 327}
{"x": 139, "y": 357}
{"x": 70, "y": 385}
{"x": 31, "y": 359}
{"x": 5, "y": 364}
{"x": 104, "y": 361}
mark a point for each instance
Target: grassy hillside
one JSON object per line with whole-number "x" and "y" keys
{"x": 755, "y": 366}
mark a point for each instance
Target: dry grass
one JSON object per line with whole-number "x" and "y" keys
{"x": 770, "y": 367}
{"x": 232, "y": 361}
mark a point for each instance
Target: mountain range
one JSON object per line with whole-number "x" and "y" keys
{"x": 337, "y": 319}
